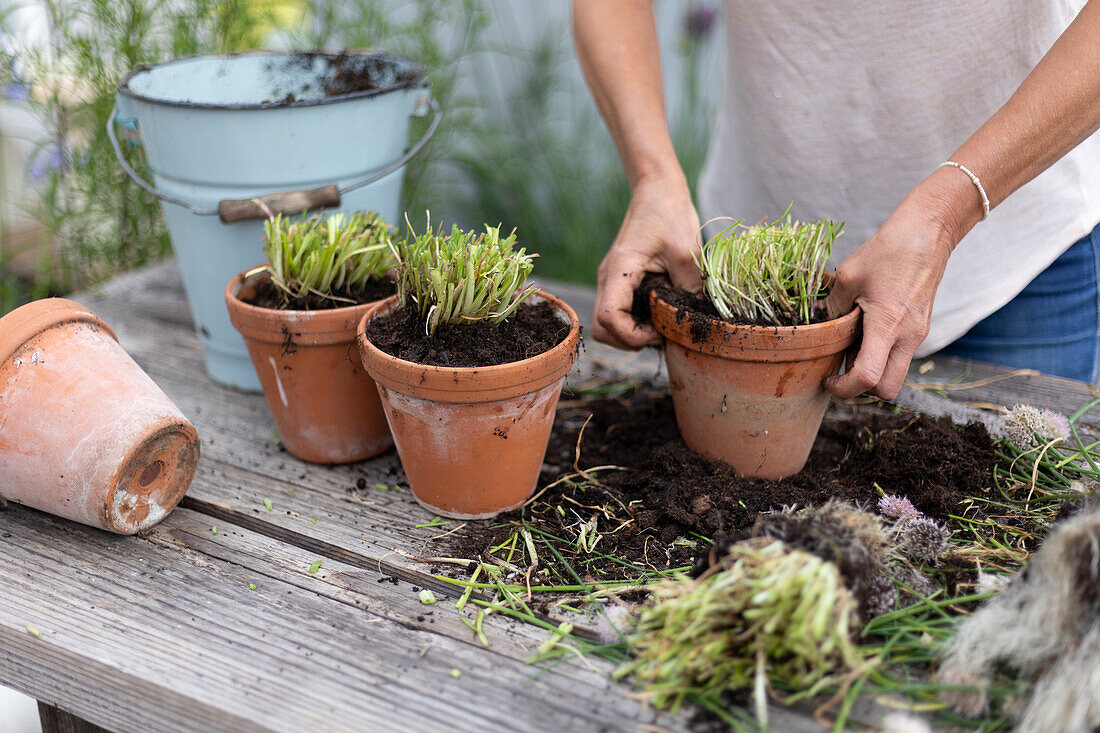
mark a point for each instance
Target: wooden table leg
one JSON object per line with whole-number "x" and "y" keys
{"x": 55, "y": 720}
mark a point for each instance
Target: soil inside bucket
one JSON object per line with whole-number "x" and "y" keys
{"x": 340, "y": 74}
{"x": 532, "y": 329}
{"x": 667, "y": 501}
{"x": 266, "y": 295}
{"x": 697, "y": 308}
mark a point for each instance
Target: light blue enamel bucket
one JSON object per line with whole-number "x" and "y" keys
{"x": 220, "y": 132}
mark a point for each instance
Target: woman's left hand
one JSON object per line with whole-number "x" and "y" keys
{"x": 893, "y": 277}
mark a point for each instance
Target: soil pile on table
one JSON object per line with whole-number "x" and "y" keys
{"x": 669, "y": 495}
{"x": 532, "y": 329}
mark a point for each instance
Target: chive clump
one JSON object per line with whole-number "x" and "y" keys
{"x": 768, "y": 273}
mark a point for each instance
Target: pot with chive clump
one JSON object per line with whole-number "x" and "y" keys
{"x": 298, "y": 316}
{"x": 747, "y": 360}
{"x": 471, "y": 438}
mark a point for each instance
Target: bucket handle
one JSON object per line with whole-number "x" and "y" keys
{"x": 283, "y": 202}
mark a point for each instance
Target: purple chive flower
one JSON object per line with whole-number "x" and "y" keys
{"x": 1057, "y": 425}
{"x": 898, "y": 508}
{"x": 50, "y": 157}
{"x": 700, "y": 19}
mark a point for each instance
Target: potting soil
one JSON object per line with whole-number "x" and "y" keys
{"x": 268, "y": 296}
{"x": 668, "y": 501}
{"x": 699, "y": 310}
{"x": 532, "y": 329}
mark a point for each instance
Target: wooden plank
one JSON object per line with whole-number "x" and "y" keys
{"x": 976, "y": 383}
{"x": 325, "y": 523}
{"x": 174, "y": 639}
{"x": 398, "y": 601}
{"x": 371, "y": 590}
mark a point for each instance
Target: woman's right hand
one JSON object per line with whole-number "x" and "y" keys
{"x": 659, "y": 234}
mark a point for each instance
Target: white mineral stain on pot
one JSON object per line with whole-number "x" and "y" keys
{"x": 278, "y": 382}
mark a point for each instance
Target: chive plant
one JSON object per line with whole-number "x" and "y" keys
{"x": 768, "y": 273}
{"x": 766, "y": 613}
{"x": 462, "y": 276}
{"x": 315, "y": 256}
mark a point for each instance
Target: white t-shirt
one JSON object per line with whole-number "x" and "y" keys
{"x": 842, "y": 106}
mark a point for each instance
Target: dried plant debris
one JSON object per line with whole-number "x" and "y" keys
{"x": 1045, "y": 625}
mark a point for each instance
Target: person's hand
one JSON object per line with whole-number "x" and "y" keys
{"x": 893, "y": 277}
{"x": 659, "y": 234}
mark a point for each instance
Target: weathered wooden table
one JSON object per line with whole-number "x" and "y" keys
{"x": 214, "y": 622}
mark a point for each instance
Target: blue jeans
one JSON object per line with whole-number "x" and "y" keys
{"x": 1053, "y": 325}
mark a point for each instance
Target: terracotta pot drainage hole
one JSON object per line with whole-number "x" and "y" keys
{"x": 151, "y": 473}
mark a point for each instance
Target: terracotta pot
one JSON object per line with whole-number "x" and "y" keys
{"x": 325, "y": 406}
{"x": 752, "y": 396}
{"x": 472, "y": 440}
{"x": 84, "y": 433}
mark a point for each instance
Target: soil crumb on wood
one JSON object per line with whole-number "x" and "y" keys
{"x": 534, "y": 327}
{"x": 266, "y": 295}
{"x": 672, "y": 494}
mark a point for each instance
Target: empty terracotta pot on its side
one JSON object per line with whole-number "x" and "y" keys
{"x": 751, "y": 396}
{"x": 324, "y": 404}
{"x": 84, "y": 433}
{"x": 471, "y": 439}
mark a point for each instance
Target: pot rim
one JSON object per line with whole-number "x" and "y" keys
{"x": 743, "y": 342}
{"x": 416, "y": 80}
{"x": 31, "y": 319}
{"x": 470, "y": 384}
{"x": 330, "y": 325}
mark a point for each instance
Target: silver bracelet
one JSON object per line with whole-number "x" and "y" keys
{"x": 977, "y": 182}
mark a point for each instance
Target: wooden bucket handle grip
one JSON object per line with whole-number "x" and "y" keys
{"x": 287, "y": 203}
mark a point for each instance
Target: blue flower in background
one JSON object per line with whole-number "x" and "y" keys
{"x": 700, "y": 19}
{"x": 16, "y": 91}
{"x": 49, "y": 157}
